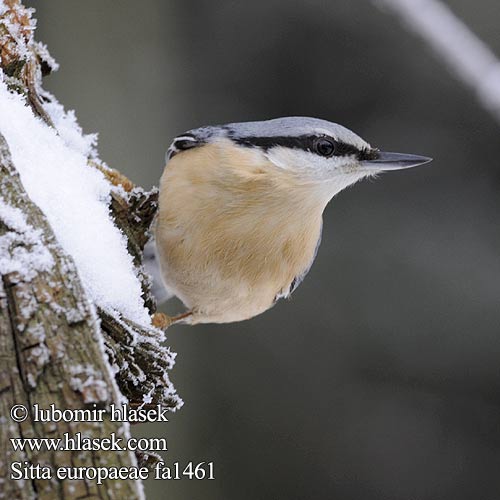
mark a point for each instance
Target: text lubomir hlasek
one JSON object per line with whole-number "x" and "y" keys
{"x": 116, "y": 413}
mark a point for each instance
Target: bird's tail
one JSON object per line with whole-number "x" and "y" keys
{"x": 152, "y": 267}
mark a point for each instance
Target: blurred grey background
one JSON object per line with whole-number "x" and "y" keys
{"x": 380, "y": 378}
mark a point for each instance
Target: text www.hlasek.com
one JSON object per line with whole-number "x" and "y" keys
{"x": 77, "y": 442}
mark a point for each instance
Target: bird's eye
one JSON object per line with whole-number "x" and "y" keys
{"x": 324, "y": 147}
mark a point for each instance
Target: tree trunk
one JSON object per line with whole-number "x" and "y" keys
{"x": 51, "y": 354}
{"x": 57, "y": 347}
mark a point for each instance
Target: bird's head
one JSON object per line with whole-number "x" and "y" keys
{"x": 321, "y": 155}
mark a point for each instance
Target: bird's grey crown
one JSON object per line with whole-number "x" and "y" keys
{"x": 294, "y": 126}
{"x": 290, "y": 132}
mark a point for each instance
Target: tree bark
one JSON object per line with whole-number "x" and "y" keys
{"x": 56, "y": 346}
{"x": 51, "y": 354}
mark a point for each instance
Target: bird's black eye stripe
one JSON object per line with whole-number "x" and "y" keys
{"x": 267, "y": 143}
{"x": 183, "y": 142}
{"x": 344, "y": 149}
{"x": 309, "y": 143}
{"x": 369, "y": 154}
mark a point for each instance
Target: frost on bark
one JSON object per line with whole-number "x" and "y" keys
{"x": 57, "y": 345}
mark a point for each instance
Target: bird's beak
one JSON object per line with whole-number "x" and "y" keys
{"x": 394, "y": 161}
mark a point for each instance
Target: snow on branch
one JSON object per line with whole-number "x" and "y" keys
{"x": 472, "y": 61}
{"x": 75, "y": 304}
{"x": 21, "y": 250}
{"x": 50, "y": 345}
{"x": 75, "y": 199}
{"x": 98, "y": 216}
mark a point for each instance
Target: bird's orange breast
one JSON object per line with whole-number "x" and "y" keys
{"x": 233, "y": 231}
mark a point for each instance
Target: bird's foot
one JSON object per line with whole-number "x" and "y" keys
{"x": 163, "y": 321}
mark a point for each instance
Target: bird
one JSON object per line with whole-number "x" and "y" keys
{"x": 240, "y": 209}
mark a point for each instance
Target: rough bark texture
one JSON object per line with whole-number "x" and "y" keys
{"x": 57, "y": 347}
{"x": 51, "y": 354}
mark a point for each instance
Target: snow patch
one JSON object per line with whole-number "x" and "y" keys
{"x": 75, "y": 199}
{"x": 44, "y": 54}
{"x": 20, "y": 248}
{"x": 69, "y": 130}
{"x": 89, "y": 383}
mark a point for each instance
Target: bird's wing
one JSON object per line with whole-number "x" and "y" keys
{"x": 284, "y": 294}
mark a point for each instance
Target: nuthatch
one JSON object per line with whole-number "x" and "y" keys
{"x": 240, "y": 209}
